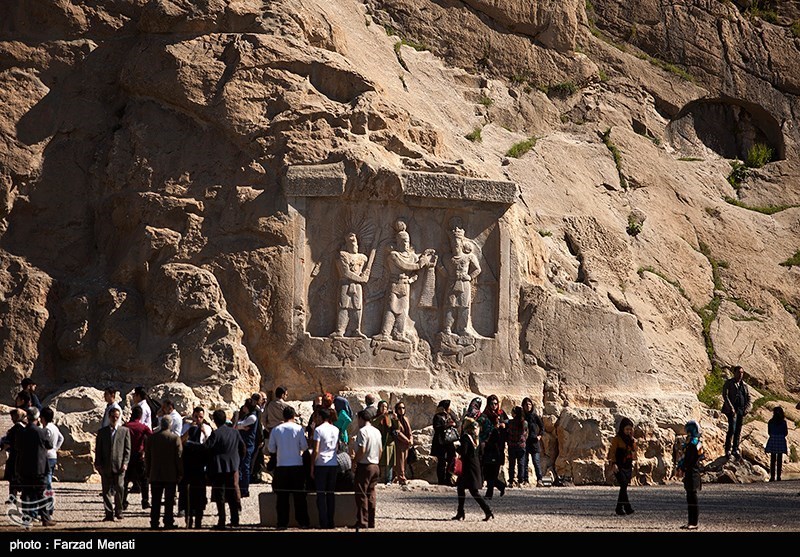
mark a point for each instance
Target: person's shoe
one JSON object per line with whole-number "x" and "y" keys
{"x": 689, "y": 527}
{"x": 145, "y": 505}
{"x": 459, "y": 516}
{"x": 118, "y": 517}
{"x": 489, "y": 516}
{"x": 539, "y": 483}
{"x": 620, "y": 511}
{"x": 356, "y": 527}
{"x": 727, "y": 454}
{"x": 629, "y": 510}
{"x": 219, "y": 527}
{"x": 736, "y": 454}
{"x": 108, "y": 518}
{"x": 179, "y": 514}
{"x": 172, "y": 526}
{"x": 154, "y": 527}
{"x": 124, "y": 505}
{"x": 49, "y": 522}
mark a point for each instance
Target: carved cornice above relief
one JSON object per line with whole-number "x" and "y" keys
{"x": 331, "y": 180}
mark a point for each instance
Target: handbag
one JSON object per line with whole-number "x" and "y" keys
{"x": 411, "y": 458}
{"x": 450, "y": 435}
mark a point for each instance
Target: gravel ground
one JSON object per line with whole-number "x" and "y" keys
{"x": 760, "y": 507}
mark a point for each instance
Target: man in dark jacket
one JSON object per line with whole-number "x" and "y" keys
{"x": 29, "y": 385}
{"x": 735, "y": 404}
{"x": 225, "y": 449}
{"x": 162, "y": 462}
{"x": 31, "y": 467}
{"x": 8, "y": 444}
{"x": 111, "y": 457}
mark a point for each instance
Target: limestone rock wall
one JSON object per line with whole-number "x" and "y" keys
{"x": 146, "y": 236}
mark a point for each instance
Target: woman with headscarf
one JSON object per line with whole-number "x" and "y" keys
{"x": 621, "y": 455}
{"x": 689, "y": 469}
{"x": 344, "y": 415}
{"x": 441, "y": 448}
{"x": 470, "y": 478}
{"x": 385, "y": 422}
{"x": 473, "y": 411}
{"x": 492, "y": 438}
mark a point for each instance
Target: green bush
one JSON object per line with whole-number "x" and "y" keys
{"x": 796, "y": 28}
{"x": 564, "y": 89}
{"x": 793, "y": 261}
{"x": 474, "y": 135}
{"x": 519, "y": 149}
{"x": 634, "y": 225}
{"x": 545, "y": 233}
{"x": 738, "y": 174}
{"x": 758, "y": 155}
{"x": 606, "y": 137}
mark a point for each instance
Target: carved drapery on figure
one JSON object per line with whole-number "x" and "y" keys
{"x": 354, "y": 270}
{"x": 403, "y": 265}
{"x": 461, "y": 269}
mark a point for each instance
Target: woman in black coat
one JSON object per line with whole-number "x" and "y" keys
{"x": 470, "y": 478}
{"x": 443, "y": 450}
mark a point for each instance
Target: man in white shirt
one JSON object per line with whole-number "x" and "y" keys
{"x": 140, "y": 399}
{"x": 110, "y": 396}
{"x": 56, "y": 438}
{"x": 288, "y": 441}
{"x": 176, "y": 420}
{"x": 368, "y": 455}
{"x": 324, "y": 464}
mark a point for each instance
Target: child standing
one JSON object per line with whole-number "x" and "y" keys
{"x": 621, "y": 455}
{"x": 689, "y": 468}
{"x": 776, "y": 444}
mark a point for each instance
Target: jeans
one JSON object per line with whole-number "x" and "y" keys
{"x": 244, "y": 472}
{"x": 536, "y": 457}
{"x": 517, "y": 458}
{"x": 48, "y": 483}
{"x": 734, "y": 432}
{"x": 325, "y": 484}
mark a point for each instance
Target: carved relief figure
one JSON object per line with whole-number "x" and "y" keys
{"x": 461, "y": 269}
{"x": 403, "y": 265}
{"x": 354, "y": 269}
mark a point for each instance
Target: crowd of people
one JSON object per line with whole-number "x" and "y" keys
{"x": 172, "y": 460}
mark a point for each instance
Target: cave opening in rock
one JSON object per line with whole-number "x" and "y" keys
{"x": 728, "y": 127}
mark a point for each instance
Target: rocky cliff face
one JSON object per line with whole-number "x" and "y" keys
{"x": 147, "y": 236}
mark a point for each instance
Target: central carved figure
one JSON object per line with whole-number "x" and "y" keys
{"x": 403, "y": 265}
{"x": 461, "y": 269}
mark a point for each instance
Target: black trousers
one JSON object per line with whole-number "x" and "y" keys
{"x": 289, "y": 481}
{"x": 623, "y": 504}
{"x": 694, "y": 510}
{"x": 462, "y": 495}
{"x": 162, "y": 491}
{"x": 491, "y": 470}
{"x": 775, "y": 466}
{"x": 443, "y": 461}
{"x": 135, "y": 474}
